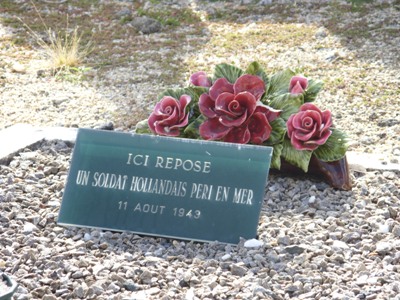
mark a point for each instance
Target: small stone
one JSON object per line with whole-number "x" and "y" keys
{"x": 367, "y": 140}
{"x": 187, "y": 276}
{"x": 183, "y": 283}
{"x": 53, "y": 203}
{"x": 130, "y": 286}
{"x": 18, "y": 68}
{"x": 351, "y": 237}
{"x": 113, "y": 287}
{"x": 295, "y": 249}
{"x": 383, "y": 247}
{"x": 259, "y": 257}
{"x": 103, "y": 246}
{"x": 384, "y": 228}
{"x": 238, "y": 270}
{"x": 60, "y": 292}
{"x": 284, "y": 240}
{"x": 153, "y": 291}
{"x": 106, "y": 126}
{"x": 392, "y": 212}
{"x": 94, "y": 290}
{"x": 50, "y": 170}
{"x": 124, "y": 13}
{"x": 29, "y": 227}
{"x": 362, "y": 280}
{"x": 396, "y": 230}
{"x": 87, "y": 237}
{"x": 272, "y": 256}
{"x": 310, "y": 227}
{"x": 146, "y": 25}
{"x": 9, "y": 197}
{"x": 159, "y": 252}
{"x": 389, "y": 175}
{"x": 226, "y": 257}
{"x": 339, "y": 245}
{"x": 338, "y": 258}
{"x": 79, "y": 292}
{"x": 291, "y": 288}
{"x": 77, "y": 275}
{"x": 253, "y": 243}
{"x": 97, "y": 269}
{"x": 388, "y": 122}
{"x": 146, "y": 276}
{"x": 58, "y": 102}
{"x": 190, "y": 294}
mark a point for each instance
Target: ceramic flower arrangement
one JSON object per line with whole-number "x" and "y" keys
{"x": 252, "y": 107}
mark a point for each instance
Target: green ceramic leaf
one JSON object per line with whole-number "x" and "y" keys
{"x": 288, "y": 103}
{"x": 314, "y": 87}
{"x": 276, "y": 156}
{"x": 192, "y": 130}
{"x": 280, "y": 81}
{"x": 255, "y": 69}
{"x": 230, "y": 72}
{"x": 193, "y": 92}
{"x": 334, "y": 148}
{"x": 278, "y": 132}
{"x": 298, "y": 158}
{"x": 142, "y": 127}
{"x": 173, "y": 93}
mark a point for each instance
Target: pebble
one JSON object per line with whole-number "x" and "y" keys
{"x": 226, "y": 257}
{"x": 130, "y": 286}
{"x": 87, "y": 236}
{"x": 124, "y": 13}
{"x": 388, "y": 122}
{"x": 18, "y": 68}
{"x": 295, "y": 249}
{"x": 146, "y": 25}
{"x": 396, "y": 230}
{"x": 253, "y": 243}
{"x": 338, "y": 245}
{"x": 29, "y": 227}
{"x": 384, "y": 228}
{"x": 238, "y": 270}
{"x": 384, "y": 247}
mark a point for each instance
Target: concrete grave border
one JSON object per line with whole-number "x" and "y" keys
{"x": 15, "y": 138}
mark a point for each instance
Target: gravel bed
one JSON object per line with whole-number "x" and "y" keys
{"x": 314, "y": 242}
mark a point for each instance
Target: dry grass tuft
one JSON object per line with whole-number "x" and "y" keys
{"x": 63, "y": 50}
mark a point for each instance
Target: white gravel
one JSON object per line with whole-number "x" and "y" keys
{"x": 313, "y": 242}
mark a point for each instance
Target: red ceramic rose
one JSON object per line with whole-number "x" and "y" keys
{"x": 169, "y": 115}
{"x": 297, "y": 85}
{"x": 250, "y": 106}
{"x": 234, "y": 112}
{"x": 200, "y": 79}
{"x": 309, "y": 128}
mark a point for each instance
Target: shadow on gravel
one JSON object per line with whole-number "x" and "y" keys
{"x": 369, "y": 28}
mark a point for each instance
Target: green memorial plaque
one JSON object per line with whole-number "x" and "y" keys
{"x": 170, "y": 187}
